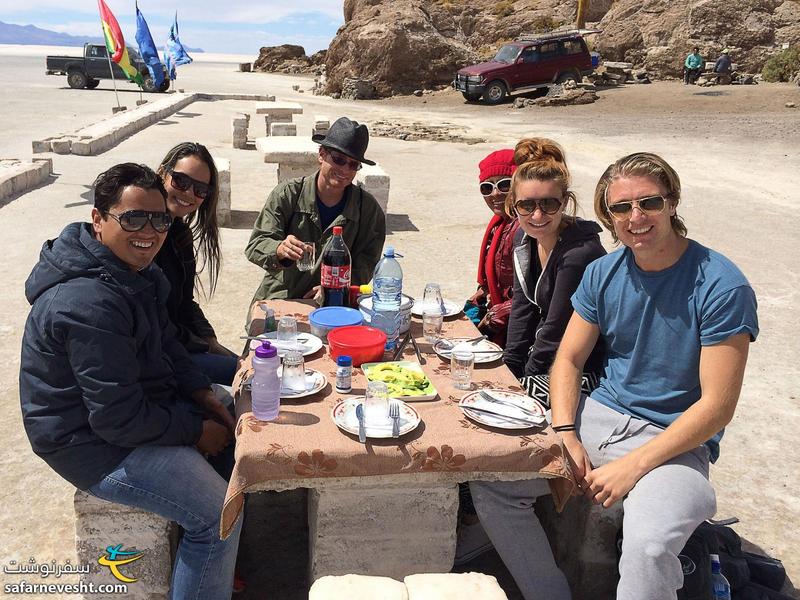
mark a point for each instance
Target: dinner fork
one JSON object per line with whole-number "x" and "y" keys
{"x": 394, "y": 414}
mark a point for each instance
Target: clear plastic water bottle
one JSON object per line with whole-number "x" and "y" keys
{"x": 266, "y": 385}
{"x": 721, "y": 589}
{"x": 387, "y": 296}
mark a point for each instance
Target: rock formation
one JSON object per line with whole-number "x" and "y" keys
{"x": 288, "y": 58}
{"x": 404, "y": 45}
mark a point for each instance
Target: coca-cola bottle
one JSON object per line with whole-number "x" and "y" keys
{"x": 335, "y": 271}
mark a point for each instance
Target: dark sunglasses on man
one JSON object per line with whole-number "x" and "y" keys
{"x": 182, "y": 182}
{"x": 649, "y": 205}
{"x": 135, "y": 220}
{"x": 503, "y": 186}
{"x": 340, "y": 160}
{"x": 528, "y": 206}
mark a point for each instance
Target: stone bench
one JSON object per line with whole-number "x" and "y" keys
{"x": 18, "y": 176}
{"x": 443, "y": 586}
{"x": 278, "y": 112}
{"x": 100, "y": 524}
{"x": 240, "y": 123}
{"x": 321, "y": 125}
{"x": 224, "y": 198}
{"x": 376, "y": 181}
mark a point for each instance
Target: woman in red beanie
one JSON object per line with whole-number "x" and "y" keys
{"x": 490, "y": 305}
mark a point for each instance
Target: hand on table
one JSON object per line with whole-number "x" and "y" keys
{"x": 214, "y": 438}
{"x": 214, "y": 409}
{"x": 291, "y": 249}
{"x": 312, "y": 293}
{"x": 611, "y": 482}
{"x": 476, "y": 298}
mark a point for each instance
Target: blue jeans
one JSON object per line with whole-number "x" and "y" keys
{"x": 218, "y": 368}
{"x": 177, "y": 483}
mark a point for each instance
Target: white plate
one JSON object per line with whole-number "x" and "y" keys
{"x": 311, "y": 345}
{"x": 483, "y": 349}
{"x": 523, "y": 400}
{"x": 344, "y": 415}
{"x": 366, "y": 369}
{"x": 315, "y": 382}
{"x": 451, "y": 309}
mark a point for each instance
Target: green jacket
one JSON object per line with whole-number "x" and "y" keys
{"x": 291, "y": 209}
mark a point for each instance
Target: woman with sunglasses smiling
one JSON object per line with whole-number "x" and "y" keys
{"x": 191, "y": 180}
{"x": 490, "y": 306}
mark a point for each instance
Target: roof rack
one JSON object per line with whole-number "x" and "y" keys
{"x": 551, "y": 35}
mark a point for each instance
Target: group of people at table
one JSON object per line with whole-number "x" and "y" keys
{"x": 640, "y": 352}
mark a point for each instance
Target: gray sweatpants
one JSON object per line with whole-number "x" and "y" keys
{"x": 661, "y": 512}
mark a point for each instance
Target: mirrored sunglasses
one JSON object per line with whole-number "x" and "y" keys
{"x": 503, "y": 186}
{"x": 650, "y": 205}
{"x": 135, "y": 220}
{"x": 341, "y": 160}
{"x": 528, "y": 206}
{"x": 182, "y": 182}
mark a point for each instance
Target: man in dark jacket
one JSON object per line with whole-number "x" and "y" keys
{"x": 110, "y": 399}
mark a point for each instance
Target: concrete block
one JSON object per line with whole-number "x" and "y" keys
{"x": 62, "y": 145}
{"x": 100, "y": 524}
{"x": 349, "y": 528}
{"x": 292, "y": 170}
{"x": 39, "y": 146}
{"x": 6, "y": 187}
{"x": 357, "y": 587}
{"x": 45, "y": 164}
{"x": 583, "y": 538}
{"x": 224, "y": 183}
{"x": 376, "y": 181}
{"x": 283, "y": 129}
{"x": 453, "y": 586}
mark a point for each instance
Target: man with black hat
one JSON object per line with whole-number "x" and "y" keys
{"x": 303, "y": 211}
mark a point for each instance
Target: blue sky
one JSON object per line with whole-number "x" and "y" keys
{"x": 230, "y": 26}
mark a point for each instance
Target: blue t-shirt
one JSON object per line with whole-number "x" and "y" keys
{"x": 655, "y": 323}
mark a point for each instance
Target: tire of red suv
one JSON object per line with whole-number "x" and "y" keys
{"x": 565, "y": 77}
{"x": 471, "y": 97}
{"x": 494, "y": 92}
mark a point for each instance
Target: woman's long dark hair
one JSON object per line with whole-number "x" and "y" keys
{"x": 203, "y": 221}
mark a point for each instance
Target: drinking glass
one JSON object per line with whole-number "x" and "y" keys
{"x": 293, "y": 376}
{"x": 461, "y": 363}
{"x": 432, "y": 325}
{"x": 287, "y": 329}
{"x": 432, "y": 298}
{"x": 376, "y": 404}
{"x": 309, "y": 258}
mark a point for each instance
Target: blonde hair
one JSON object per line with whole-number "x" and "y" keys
{"x": 639, "y": 164}
{"x": 541, "y": 159}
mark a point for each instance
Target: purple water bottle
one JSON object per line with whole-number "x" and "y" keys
{"x": 266, "y": 386}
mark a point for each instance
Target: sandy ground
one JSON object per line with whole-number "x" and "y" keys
{"x": 736, "y": 151}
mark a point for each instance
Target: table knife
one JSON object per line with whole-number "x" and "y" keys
{"x": 362, "y": 430}
{"x": 525, "y": 422}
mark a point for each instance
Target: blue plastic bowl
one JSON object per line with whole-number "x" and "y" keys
{"x": 331, "y": 317}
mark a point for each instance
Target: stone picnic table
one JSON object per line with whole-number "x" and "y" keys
{"x": 388, "y": 507}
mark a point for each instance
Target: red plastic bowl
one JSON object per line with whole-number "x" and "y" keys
{"x": 362, "y": 343}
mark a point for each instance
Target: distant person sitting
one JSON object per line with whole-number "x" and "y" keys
{"x": 723, "y": 64}
{"x": 692, "y": 67}
{"x": 302, "y": 212}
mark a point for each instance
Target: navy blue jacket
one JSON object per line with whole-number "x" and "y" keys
{"x": 101, "y": 371}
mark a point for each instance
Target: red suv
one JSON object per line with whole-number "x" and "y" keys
{"x": 526, "y": 64}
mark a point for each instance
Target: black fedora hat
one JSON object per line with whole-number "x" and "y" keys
{"x": 348, "y": 137}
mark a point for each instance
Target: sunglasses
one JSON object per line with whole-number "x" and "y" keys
{"x": 528, "y": 206}
{"x": 503, "y": 186}
{"x": 135, "y": 220}
{"x": 182, "y": 182}
{"x": 340, "y": 160}
{"x": 650, "y": 205}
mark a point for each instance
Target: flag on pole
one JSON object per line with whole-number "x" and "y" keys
{"x": 174, "y": 52}
{"x": 148, "y": 49}
{"x": 115, "y": 43}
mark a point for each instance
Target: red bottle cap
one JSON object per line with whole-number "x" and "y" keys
{"x": 337, "y": 230}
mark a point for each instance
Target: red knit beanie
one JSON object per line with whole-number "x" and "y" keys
{"x": 500, "y": 162}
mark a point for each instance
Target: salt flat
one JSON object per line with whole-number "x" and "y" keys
{"x": 738, "y": 185}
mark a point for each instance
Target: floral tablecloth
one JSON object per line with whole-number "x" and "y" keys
{"x": 305, "y": 443}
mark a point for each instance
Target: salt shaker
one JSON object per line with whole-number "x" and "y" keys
{"x": 344, "y": 374}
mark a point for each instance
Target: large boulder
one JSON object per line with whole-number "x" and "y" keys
{"x": 280, "y": 58}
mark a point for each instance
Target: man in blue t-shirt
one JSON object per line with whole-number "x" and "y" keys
{"x": 677, "y": 319}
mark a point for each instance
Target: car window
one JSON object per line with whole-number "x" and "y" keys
{"x": 133, "y": 54}
{"x": 507, "y": 54}
{"x": 530, "y": 55}
{"x": 572, "y": 47}
{"x": 97, "y": 51}
{"x": 549, "y": 50}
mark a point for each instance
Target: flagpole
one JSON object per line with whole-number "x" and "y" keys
{"x": 108, "y": 56}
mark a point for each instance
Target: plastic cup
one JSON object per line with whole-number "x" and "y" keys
{"x": 293, "y": 376}
{"x": 432, "y": 325}
{"x": 287, "y": 329}
{"x": 461, "y": 364}
{"x": 309, "y": 258}
{"x": 432, "y": 298}
{"x": 376, "y": 404}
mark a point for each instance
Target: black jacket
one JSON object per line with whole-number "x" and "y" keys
{"x": 177, "y": 261}
{"x": 541, "y": 306}
{"x": 101, "y": 372}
